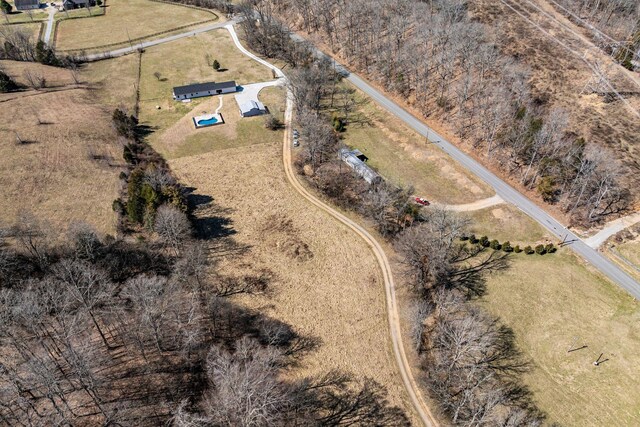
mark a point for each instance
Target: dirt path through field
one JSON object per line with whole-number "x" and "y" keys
{"x": 326, "y": 281}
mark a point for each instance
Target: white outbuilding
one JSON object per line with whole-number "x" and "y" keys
{"x": 252, "y": 108}
{"x": 352, "y": 159}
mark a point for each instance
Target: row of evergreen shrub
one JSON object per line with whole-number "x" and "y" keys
{"x": 506, "y": 246}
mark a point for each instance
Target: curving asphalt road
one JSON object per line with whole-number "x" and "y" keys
{"x": 504, "y": 190}
{"x": 392, "y": 306}
{"x": 143, "y": 45}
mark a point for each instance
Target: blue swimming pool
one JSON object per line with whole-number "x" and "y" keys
{"x": 206, "y": 122}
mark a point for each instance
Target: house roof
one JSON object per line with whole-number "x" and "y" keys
{"x": 26, "y": 2}
{"x": 245, "y": 107}
{"x": 203, "y": 87}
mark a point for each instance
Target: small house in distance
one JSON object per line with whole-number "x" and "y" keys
{"x": 77, "y": 4}
{"x": 252, "y": 108}
{"x": 198, "y": 90}
{"x": 27, "y": 4}
{"x": 351, "y": 158}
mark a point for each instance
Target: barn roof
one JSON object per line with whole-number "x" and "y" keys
{"x": 26, "y": 2}
{"x": 203, "y": 87}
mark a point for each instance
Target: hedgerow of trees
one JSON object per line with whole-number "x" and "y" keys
{"x": 471, "y": 364}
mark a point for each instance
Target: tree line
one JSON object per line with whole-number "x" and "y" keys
{"x": 103, "y": 331}
{"x": 449, "y": 67}
{"x": 470, "y": 362}
{"x": 140, "y": 330}
{"x": 18, "y": 45}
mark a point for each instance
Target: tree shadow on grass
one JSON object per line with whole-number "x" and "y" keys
{"x": 212, "y": 223}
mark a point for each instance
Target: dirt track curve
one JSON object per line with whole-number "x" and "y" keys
{"x": 390, "y": 291}
{"x": 392, "y": 307}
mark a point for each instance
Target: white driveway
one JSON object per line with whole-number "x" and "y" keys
{"x": 250, "y": 91}
{"x": 47, "y": 33}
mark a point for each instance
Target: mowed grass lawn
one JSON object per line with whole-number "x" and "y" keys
{"x": 126, "y": 19}
{"x": 553, "y": 303}
{"x": 405, "y": 157}
{"x": 183, "y": 62}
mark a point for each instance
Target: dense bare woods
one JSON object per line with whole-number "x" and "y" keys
{"x": 449, "y": 67}
{"x": 101, "y": 331}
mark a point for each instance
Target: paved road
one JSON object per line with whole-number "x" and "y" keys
{"x": 504, "y": 190}
{"x": 143, "y": 45}
{"x": 393, "y": 315}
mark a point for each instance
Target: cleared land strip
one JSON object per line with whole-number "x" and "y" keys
{"x": 409, "y": 381}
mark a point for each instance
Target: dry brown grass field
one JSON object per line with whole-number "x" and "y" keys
{"x": 326, "y": 281}
{"x": 124, "y": 20}
{"x": 68, "y": 168}
{"x": 32, "y": 28}
{"x": 113, "y": 81}
{"x": 554, "y": 303}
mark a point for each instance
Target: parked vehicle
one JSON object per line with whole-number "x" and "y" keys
{"x": 421, "y": 201}
{"x": 296, "y": 134}
{"x": 296, "y": 142}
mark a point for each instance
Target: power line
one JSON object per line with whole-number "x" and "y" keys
{"x": 596, "y": 72}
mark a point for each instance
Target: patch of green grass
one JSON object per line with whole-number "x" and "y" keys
{"x": 505, "y": 222}
{"x": 554, "y": 303}
{"x": 405, "y": 157}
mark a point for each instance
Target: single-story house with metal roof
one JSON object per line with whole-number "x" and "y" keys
{"x": 198, "y": 90}
{"x": 351, "y": 159}
{"x": 27, "y": 4}
{"x": 252, "y": 108}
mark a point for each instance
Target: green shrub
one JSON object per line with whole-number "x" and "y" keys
{"x": 135, "y": 202}
{"x": 473, "y": 239}
{"x": 216, "y": 65}
{"x": 506, "y": 246}
{"x": 338, "y": 124}
{"x": 550, "y": 248}
{"x": 540, "y": 250}
{"x": 125, "y": 125}
{"x": 484, "y": 241}
{"x": 118, "y": 206}
{"x": 5, "y": 7}
{"x": 6, "y": 83}
{"x": 528, "y": 250}
{"x": 464, "y": 238}
{"x": 495, "y": 245}
{"x": 517, "y": 249}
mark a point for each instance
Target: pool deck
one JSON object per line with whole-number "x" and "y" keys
{"x": 217, "y": 116}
